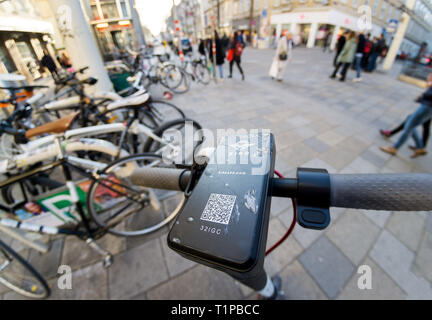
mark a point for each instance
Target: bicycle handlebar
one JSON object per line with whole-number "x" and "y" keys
{"x": 392, "y": 192}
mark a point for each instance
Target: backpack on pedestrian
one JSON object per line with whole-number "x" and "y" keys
{"x": 238, "y": 50}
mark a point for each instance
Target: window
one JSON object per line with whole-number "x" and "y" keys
{"x": 124, "y": 9}
{"x": 375, "y": 8}
{"x": 109, "y": 10}
{"x": 95, "y": 13}
{"x": 382, "y": 15}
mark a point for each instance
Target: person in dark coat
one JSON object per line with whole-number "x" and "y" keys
{"x": 377, "y": 48}
{"x": 339, "y": 46}
{"x": 49, "y": 63}
{"x": 361, "y": 43}
{"x": 220, "y": 53}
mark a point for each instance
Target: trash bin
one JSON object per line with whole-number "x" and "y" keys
{"x": 119, "y": 81}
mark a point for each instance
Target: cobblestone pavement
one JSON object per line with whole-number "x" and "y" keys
{"x": 317, "y": 122}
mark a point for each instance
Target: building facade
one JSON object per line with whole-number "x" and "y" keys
{"x": 23, "y": 37}
{"x": 306, "y": 19}
{"x": 188, "y": 15}
{"x": 116, "y": 26}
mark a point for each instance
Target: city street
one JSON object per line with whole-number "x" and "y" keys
{"x": 318, "y": 123}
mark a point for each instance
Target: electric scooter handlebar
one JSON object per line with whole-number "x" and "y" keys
{"x": 392, "y": 192}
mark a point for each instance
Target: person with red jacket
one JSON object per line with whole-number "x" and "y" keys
{"x": 237, "y": 46}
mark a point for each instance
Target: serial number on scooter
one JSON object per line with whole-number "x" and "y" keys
{"x": 212, "y": 230}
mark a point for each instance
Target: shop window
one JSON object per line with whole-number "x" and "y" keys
{"x": 6, "y": 60}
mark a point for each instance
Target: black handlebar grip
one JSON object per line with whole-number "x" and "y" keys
{"x": 161, "y": 178}
{"x": 392, "y": 192}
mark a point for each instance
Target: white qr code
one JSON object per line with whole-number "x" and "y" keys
{"x": 218, "y": 208}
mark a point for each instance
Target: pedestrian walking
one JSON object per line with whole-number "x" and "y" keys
{"x": 377, "y": 48}
{"x": 237, "y": 49}
{"x": 419, "y": 117}
{"x": 326, "y": 40}
{"x": 361, "y": 42}
{"x": 339, "y": 46}
{"x": 48, "y": 62}
{"x": 367, "y": 51}
{"x": 282, "y": 56}
{"x": 346, "y": 57}
{"x": 425, "y": 137}
{"x": 220, "y": 54}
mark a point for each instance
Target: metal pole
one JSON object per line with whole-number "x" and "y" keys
{"x": 218, "y": 13}
{"x": 177, "y": 31}
{"x": 251, "y": 17}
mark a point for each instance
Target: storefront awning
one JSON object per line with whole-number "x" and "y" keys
{"x": 19, "y": 24}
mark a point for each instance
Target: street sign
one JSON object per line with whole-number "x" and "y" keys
{"x": 392, "y": 25}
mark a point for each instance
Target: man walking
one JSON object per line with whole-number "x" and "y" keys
{"x": 49, "y": 63}
{"x": 377, "y": 48}
{"x": 339, "y": 46}
{"x": 361, "y": 41}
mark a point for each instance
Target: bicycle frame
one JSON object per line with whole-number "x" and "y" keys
{"x": 67, "y": 167}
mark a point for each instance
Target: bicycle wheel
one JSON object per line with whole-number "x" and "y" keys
{"x": 128, "y": 210}
{"x": 163, "y": 112}
{"x": 171, "y": 76}
{"x": 184, "y": 85}
{"x": 202, "y": 73}
{"x": 19, "y": 276}
{"x": 182, "y": 141}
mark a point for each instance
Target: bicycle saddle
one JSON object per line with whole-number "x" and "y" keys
{"x": 129, "y": 101}
{"x": 57, "y": 126}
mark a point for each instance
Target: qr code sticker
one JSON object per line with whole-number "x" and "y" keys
{"x": 218, "y": 208}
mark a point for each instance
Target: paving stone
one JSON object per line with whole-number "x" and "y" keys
{"x": 317, "y": 144}
{"x": 373, "y": 158}
{"x": 284, "y": 253}
{"x": 317, "y": 163}
{"x": 137, "y": 270}
{"x": 47, "y": 264}
{"x": 396, "y": 259}
{"x": 380, "y": 218}
{"x": 330, "y": 138}
{"x": 76, "y": 253}
{"x": 175, "y": 263}
{"x": 407, "y": 227}
{"x": 327, "y": 266}
{"x": 343, "y": 158}
{"x": 297, "y": 284}
{"x": 306, "y": 236}
{"x": 93, "y": 278}
{"x": 383, "y": 287}
{"x": 200, "y": 283}
{"x": 423, "y": 260}
{"x": 360, "y": 165}
{"x": 354, "y": 235}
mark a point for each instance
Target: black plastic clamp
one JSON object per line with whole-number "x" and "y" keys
{"x": 313, "y": 201}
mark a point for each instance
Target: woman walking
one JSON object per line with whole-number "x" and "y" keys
{"x": 282, "y": 56}
{"x": 346, "y": 56}
{"x": 237, "y": 48}
{"x": 420, "y": 116}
